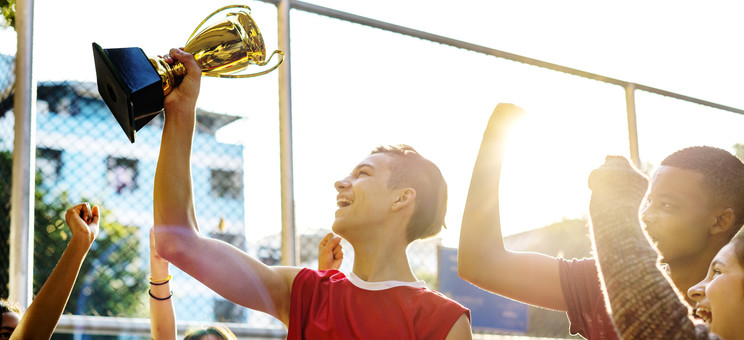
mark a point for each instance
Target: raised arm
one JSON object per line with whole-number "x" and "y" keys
{"x": 644, "y": 302}
{"x": 162, "y": 314}
{"x": 225, "y": 269}
{"x": 482, "y": 258}
{"x": 42, "y": 315}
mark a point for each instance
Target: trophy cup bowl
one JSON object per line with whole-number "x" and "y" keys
{"x": 134, "y": 86}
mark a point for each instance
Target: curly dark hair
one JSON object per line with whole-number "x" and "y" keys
{"x": 723, "y": 175}
{"x": 410, "y": 169}
{"x": 7, "y": 306}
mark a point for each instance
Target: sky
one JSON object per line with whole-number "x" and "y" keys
{"x": 355, "y": 87}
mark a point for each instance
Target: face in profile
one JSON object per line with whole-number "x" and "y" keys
{"x": 364, "y": 197}
{"x": 720, "y": 296}
{"x": 678, "y": 213}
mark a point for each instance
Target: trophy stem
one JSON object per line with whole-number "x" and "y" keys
{"x": 170, "y": 75}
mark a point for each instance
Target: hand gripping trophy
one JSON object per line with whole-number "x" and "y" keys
{"x": 134, "y": 86}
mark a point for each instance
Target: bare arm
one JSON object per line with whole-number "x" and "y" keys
{"x": 162, "y": 315}
{"x": 644, "y": 302}
{"x": 223, "y": 268}
{"x": 42, "y": 316}
{"x": 482, "y": 259}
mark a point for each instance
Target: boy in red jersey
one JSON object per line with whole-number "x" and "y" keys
{"x": 390, "y": 199}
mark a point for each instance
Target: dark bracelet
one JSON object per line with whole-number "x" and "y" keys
{"x": 157, "y": 298}
{"x": 159, "y": 283}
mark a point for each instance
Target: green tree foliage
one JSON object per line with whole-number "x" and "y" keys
{"x": 112, "y": 270}
{"x": 8, "y": 9}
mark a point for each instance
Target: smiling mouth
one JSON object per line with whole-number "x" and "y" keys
{"x": 343, "y": 202}
{"x": 704, "y": 314}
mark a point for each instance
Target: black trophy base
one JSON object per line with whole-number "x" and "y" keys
{"x": 129, "y": 85}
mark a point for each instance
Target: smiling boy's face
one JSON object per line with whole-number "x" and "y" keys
{"x": 678, "y": 213}
{"x": 364, "y": 196}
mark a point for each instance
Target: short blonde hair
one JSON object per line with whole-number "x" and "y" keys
{"x": 220, "y": 331}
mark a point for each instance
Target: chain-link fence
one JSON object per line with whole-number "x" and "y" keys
{"x": 7, "y": 81}
{"x": 83, "y": 155}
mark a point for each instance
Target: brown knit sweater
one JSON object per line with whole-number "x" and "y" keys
{"x": 643, "y": 301}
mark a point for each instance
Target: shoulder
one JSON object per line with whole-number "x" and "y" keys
{"x": 306, "y": 278}
{"x": 434, "y": 315}
{"x": 585, "y": 304}
{"x": 461, "y": 329}
{"x": 578, "y": 269}
{"x": 581, "y": 263}
{"x": 448, "y": 312}
{"x": 579, "y": 275}
{"x": 307, "y": 274}
{"x": 435, "y": 296}
{"x": 440, "y": 304}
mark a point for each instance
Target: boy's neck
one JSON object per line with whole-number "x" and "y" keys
{"x": 688, "y": 271}
{"x": 383, "y": 265}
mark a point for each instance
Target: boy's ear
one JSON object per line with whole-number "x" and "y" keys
{"x": 405, "y": 198}
{"x": 724, "y": 221}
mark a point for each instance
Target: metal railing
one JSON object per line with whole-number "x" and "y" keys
{"x": 24, "y": 155}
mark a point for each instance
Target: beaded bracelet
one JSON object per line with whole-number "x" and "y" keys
{"x": 159, "y": 299}
{"x": 160, "y": 282}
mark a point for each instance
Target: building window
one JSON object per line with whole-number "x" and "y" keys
{"x": 49, "y": 163}
{"x": 122, "y": 174}
{"x": 226, "y": 184}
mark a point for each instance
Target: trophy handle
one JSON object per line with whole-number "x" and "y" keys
{"x": 213, "y": 14}
{"x": 219, "y": 75}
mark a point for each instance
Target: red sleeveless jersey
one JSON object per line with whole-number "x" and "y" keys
{"x": 328, "y": 305}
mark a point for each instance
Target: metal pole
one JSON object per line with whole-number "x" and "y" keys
{"x": 632, "y": 127}
{"x": 24, "y": 161}
{"x": 289, "y": 237}
{"x": 336, "y": 14}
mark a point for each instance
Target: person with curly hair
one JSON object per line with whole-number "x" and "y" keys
{"x": 694, "y": 205}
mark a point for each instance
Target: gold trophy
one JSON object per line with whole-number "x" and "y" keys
{"x": 134, "y": 86}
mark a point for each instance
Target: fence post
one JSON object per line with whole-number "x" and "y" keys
{"x": 632, "y": 127}
{"x": 289, "y": 255}
{"x": 24, "y": 161}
